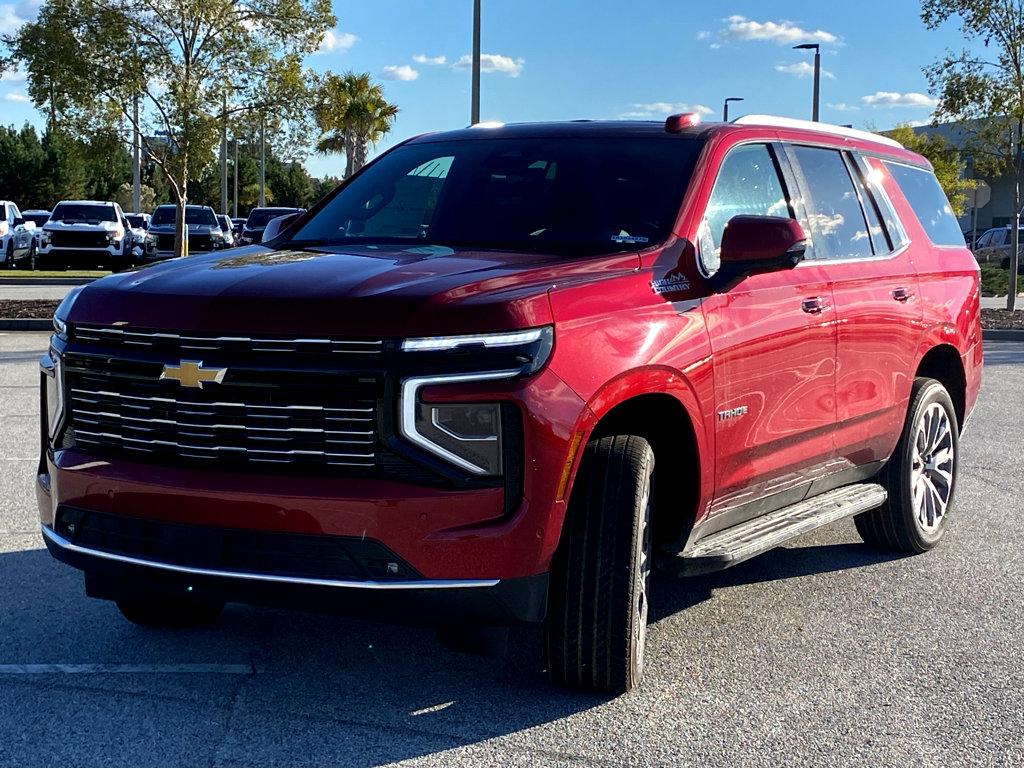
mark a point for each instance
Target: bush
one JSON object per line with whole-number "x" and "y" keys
{"x": 995, "y": 281}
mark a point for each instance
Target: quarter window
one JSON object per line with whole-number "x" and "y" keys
{"x": 748, "y": 184}
{"x": 924, "y": 193}
{"x": 838, "y": 228}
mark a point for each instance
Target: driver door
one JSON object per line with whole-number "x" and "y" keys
{"x": 773, "y": 338}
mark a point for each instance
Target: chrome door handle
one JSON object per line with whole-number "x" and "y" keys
{"x": 902, "y": 294}
{"x": 813, "y": 305}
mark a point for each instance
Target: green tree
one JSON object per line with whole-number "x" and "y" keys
{"x": 174, "y": 56}
{"x": 982, "y": 88}
{"x": 946, "y": 161}
{"x": 351, "y": 113}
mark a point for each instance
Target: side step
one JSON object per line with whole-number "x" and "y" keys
{"x": 738, "y": 543}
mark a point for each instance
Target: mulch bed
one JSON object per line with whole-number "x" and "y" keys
{"x": 27, "y": 308}
{"x": 1003, "y": 318}
{"x": 38, "y": 308}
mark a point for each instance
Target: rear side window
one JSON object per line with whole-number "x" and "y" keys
{"x": 925, "y": 195}
{"x": 838, "y": 227}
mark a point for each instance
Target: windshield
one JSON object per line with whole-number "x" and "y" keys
{"x": 225, "y": 223}
{"x": 83, "y": 212}
{"x": 135, "y": 220}
{"x": 193, "y": 215}
{"x": 38, "y": 219}
{"x": 556, "y": 195}
{"x": 259, "y": 217}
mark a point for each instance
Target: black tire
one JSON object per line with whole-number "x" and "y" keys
{"x": 597, "y": 606}
{"x": 170, "y": 611}
{"x": 9, "y": 255}
{"x": 901, "y": 524}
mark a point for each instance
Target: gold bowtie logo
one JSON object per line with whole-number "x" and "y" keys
{"x": 190, "y": 373}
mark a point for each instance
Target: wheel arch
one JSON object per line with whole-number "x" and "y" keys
{"x": 943, "y": 362}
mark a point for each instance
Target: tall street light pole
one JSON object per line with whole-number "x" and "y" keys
{"x": 224, "y": 156}
{"x": 136, "y": 157}
{"x": 263, "y": 161}
{"x": 725, "y": 107}
{"x": 236, "y": 179}
{"x": 817, "y": 74}
{"x": 475, "y": 109}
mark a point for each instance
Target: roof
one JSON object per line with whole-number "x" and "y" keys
{"x": 86, "y": 202}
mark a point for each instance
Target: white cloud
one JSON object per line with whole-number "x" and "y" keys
{"x": 435, "y": 61}
{"x": 14, "y": 76}
{"x": 662, "y": 109}
{"x": 12, "y": 17}
{"x": 895, "y": 99}
{"x": 802, "y": 69}
{"x": 703, "y": 35}
{"x": 843, "y": 107}
{"x": 20, "y": 98}
{"x": 399, "y": 72}
{"x": 781, "y": 32}
{"x": 334, "y": 40}
{"x": 493, "y": 62}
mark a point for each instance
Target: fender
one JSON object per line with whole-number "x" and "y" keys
{"x": 654, "y": 380}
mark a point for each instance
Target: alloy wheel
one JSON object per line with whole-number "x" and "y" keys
{"x": 932, "y": 467}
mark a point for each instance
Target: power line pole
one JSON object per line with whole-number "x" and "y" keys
{"x": 224, "y": 156}
{"x": 136, "y": 158}
{"x": 263, "y": 162}
{"x": 475, "y": 110}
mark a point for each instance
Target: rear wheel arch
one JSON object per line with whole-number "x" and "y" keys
{"x": 942, "y": 362}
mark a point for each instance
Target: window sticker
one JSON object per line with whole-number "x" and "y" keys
{"x": 630, "y": 239}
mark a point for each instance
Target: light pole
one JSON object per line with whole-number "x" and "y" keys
{"x": 224, "y": 155}
{"x": 263, "y": 161}
{"x": 474, "y": 117}
{"x": 136, "y": 157}
{"x": 236, "y": 179}
{"x": 817, "y": 74}
{"x": 725, "y": 107}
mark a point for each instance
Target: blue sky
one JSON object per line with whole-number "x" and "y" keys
{"x": 565, "y": 59}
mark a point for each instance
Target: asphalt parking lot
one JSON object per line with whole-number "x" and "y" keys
{"x": 823, "y": 652}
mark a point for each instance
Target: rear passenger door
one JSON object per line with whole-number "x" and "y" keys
{"x": 863, "y": 247}
{"x": 773, "y": 340}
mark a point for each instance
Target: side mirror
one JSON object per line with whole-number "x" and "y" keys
{"x": 752, "y": 245}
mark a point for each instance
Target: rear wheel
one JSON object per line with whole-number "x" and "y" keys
{"x": 920, "y": 476}
{"x": 170, "y": 611}
{"x": 600, "y": 576}
{"x": 9, "y": 255}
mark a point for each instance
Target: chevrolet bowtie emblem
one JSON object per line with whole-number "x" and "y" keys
{"x": 190, "y": 373}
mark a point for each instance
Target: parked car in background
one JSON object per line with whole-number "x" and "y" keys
{"x": 257, "y": 221}
{"x": 204, "y": 231}
{"x": 994, "y": 245}
{"x": 86, "y": 234}
{"x": 17, "y": 236}
{"x": 236, "y": 228}
{"x": 279, "y": 224}
{"x": 37, "y": 216}
{"x": 225, "y": 226}
{"x": 501, "y": 374}
{"x": 139, "y": 224}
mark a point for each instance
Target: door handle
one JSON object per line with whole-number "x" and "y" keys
{"x": 814, "y": 305}
{"x": 902, "y": 294}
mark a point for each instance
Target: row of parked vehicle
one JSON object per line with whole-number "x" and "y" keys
{"x": 91, "y": 233}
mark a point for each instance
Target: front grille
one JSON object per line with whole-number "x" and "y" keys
{"x": 235, "y": 550}
{"x": 176, "y": 344}
{"x": 295, "y": 404}
{"x": 164, "y": 242}
{"x": 196, "y": 243}
{"x": 61, "y": 239}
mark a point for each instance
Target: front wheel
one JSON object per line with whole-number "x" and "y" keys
{"x": 920, "y": 476}
{"x": 9, "y": 255}
{"x": 600, "y": 576}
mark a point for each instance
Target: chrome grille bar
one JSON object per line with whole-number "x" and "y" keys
{"x": 185, "y": 342}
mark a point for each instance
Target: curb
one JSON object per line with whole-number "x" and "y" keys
{"x": 45, "y": 281}
{"x": 26, "y": 324}
{"x": 1003, "y": 335}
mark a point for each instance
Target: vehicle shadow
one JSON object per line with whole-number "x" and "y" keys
{"x": 322, "y": 689}
{"x": 671, "y": 594}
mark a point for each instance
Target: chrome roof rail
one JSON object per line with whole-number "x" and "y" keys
{"x": 809, "y": 125}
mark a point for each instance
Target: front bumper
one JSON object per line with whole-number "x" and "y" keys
{"x": 114, "y": 576}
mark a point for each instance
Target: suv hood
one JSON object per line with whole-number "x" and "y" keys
{"x": 361, "y": 290}
{"x": 62, "y": 226}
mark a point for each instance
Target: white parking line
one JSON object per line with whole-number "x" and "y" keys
{"x": 36, "y": 669}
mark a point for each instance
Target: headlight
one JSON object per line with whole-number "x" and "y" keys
{"x": 60, "y": 315}
{"x": 467, "y": 435}
{"x": 53, "y": 377}
{"x": 44, "y": 238}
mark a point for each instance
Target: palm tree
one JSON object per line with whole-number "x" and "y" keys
{"x": 351, "y": 113}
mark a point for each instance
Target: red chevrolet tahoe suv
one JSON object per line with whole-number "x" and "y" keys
{"x": 501, "y": 371}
